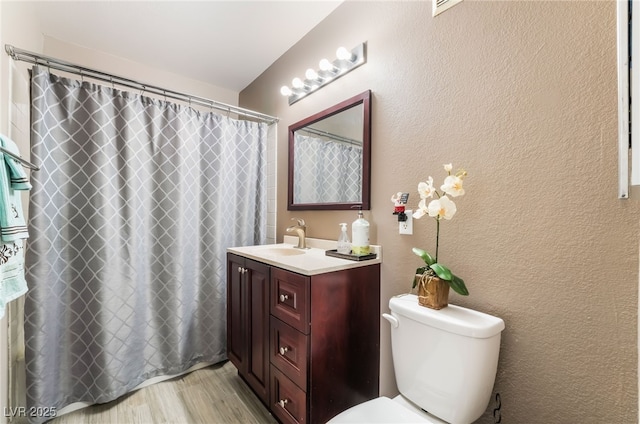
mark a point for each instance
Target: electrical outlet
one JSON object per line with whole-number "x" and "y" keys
{"x": 406, "y": 227}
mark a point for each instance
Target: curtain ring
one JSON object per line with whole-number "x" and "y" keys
{"x": 112, "y": 85}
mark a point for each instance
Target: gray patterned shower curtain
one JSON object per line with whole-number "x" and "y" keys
{"x": 130, "y": 216}
{"x": 326, "y": 171}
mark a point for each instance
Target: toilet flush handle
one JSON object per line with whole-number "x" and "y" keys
{"x": 393, "y": 320}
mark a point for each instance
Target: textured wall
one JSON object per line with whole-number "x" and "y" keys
{"x": 523, "y": 95}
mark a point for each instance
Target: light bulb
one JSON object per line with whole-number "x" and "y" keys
{"x": 325, "y": 65}
{"x": 311, "y": 74}
{"x": 285, "y": 91}
{"x": 344, "y": 54}
{"x": 297, "y": 83}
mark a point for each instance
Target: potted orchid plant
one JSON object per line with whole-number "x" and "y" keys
{"x": 439, "y": 207}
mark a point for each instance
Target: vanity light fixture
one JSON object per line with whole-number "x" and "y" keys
{"x": 345, "y": 62}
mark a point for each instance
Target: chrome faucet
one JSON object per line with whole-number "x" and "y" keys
{"x": 301, "y": 230}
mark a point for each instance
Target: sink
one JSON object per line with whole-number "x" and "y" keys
{"x": 311, "y": 261}
{"x": 283, "y": 251}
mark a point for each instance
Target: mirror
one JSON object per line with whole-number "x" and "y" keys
{"x": 330, "y": 157}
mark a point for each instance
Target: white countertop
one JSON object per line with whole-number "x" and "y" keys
{"x": 310, "y": 261}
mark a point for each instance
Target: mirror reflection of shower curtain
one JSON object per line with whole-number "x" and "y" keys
{"x": 326, "y": 171}
{"x": 131, "y": 213}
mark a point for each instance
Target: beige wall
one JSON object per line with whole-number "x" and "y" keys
{"x": 523, "y": 95}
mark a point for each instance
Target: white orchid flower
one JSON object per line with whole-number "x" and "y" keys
{"x": 448, "y": 167}
{"x": 426, "y": 189}
{"x": 442, "y": 208}
{"x": 422, "y": 209}
{"x": 453, "y": 186}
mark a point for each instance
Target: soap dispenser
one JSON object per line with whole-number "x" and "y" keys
{"x": 343, "y": 241}
{"x": 360, "y": 235}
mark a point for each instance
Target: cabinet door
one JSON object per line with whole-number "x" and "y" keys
{"x": 236, "y": 333}
{"x": 257, "y": 315}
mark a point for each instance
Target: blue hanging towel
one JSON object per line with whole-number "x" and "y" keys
{"x": 12, "y": 281}
{"x": 13, "y": 179}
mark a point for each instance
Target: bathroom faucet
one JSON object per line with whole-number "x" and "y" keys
{"x": 300, "y": 229}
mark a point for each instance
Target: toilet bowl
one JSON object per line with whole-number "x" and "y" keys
{"x": 384, "y": 410}
{"x": 445, "y": 363}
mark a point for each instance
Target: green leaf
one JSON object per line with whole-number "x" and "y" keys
{"x": 426, "y": 257}
{"x": 442, "y": 271}
{"x": 458, "y": 286}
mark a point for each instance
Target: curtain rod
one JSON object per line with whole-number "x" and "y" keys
{"x": 334, "y": 137}
{"x": 19, "y": 159}
{"x": 53, "y": 63}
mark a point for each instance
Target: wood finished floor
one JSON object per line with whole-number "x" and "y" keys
{"x": 212, "y": 395}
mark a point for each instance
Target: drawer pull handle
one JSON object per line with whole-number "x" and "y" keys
{"x": 284, "y": 297}
{"x": 240, "y": 269}
{"x": 283, "y": 402}
{"x": 284, "y": 350}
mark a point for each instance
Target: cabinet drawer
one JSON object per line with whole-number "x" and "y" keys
{"x": 288, "y": 401}
{"x": 290, "y": 298}
{"x": 289, "y": 349}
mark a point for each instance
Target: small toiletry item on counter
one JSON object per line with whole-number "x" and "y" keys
{"x": 360, "y": 235}
{"x": 343, "y": 241}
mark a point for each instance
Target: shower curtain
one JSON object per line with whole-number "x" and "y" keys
{"x": 326, "y": 171}
{"x": 130, "y": 216}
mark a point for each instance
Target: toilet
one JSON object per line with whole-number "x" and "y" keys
{"x": 445, "y": 363}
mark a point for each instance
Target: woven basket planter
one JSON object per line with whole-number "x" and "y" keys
{"x": 433, "y": 292}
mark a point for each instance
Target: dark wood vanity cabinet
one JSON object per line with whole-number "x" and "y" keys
{"x": 323, "y": 353}
{"x": 247, "y": 321}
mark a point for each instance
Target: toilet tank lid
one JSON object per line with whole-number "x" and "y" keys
{"x": 453, "y": 319}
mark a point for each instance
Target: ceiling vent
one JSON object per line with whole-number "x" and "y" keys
{"x": 440, "y": 6}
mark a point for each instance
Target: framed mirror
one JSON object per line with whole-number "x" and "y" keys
{"x": 330, "y": 157}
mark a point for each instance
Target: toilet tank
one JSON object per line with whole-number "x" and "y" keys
{"x": 445, "y": 360}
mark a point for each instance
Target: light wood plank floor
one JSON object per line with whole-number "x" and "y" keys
{"x": 212, "y": 395}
